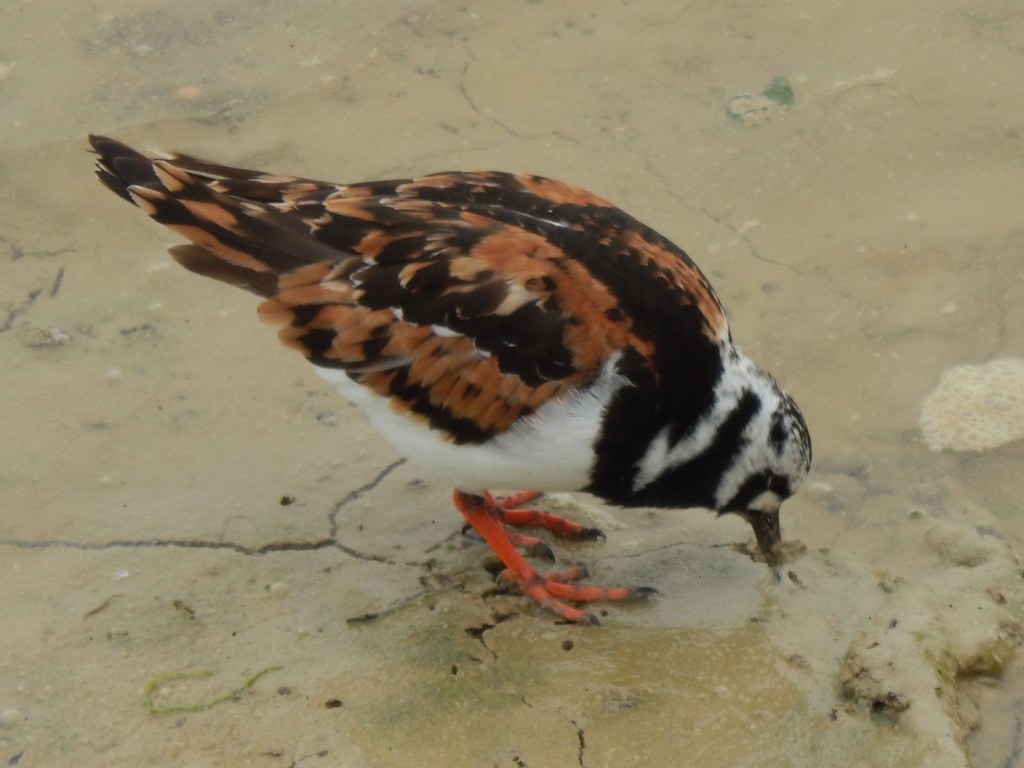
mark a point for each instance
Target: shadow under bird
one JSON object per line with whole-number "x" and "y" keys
{"x": 502, "y": 331}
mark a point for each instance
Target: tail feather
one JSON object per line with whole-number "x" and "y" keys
{"x": 249, "y": 184}
{"x": 201, "y": 261}
{"x": 119, "y": 166}
{"x": 240, "y": 241}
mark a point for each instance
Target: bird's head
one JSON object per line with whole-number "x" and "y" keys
{"x": 746, "y": 453}
{"x": 772, "y": 460}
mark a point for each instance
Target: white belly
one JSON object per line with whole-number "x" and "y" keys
{"x": 550, "y": 450}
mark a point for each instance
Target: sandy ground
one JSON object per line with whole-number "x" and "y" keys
{"x": 192, "y": 525}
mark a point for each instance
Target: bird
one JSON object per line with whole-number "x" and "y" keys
{"x": 502, "y": 331}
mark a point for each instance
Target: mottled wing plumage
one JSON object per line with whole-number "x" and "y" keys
{"x": 468, "y": 299}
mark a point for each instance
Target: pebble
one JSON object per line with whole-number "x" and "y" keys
{"x": 46, "y": 337}
{"x": 188, "y": 92}
{"x": 278, "y": 590}
{"x": 10, "y": 718}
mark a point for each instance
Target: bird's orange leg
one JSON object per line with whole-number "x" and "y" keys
{"x": 485, "y": 515}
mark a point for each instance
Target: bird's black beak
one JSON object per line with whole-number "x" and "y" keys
{"x": 769, "y": 537}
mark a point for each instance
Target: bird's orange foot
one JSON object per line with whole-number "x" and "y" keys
{"x": 547, "y": 588}
{"x": 510, "y": 513}
{"x": 489, "y": 517}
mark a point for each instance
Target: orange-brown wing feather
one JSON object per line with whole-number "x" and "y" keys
{"x": 469, "y": 339}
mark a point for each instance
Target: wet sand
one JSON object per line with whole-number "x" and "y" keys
{"x": 209, "y": 559}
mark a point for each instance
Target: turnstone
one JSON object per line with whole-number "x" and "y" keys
{"x": 502, "y": 331}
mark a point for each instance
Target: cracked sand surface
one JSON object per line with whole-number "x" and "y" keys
{"x": 179, "y": 494}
